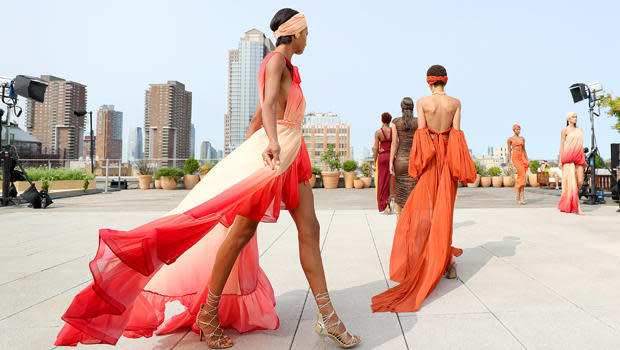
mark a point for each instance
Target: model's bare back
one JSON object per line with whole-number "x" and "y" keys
{"x": 439, "y": 112}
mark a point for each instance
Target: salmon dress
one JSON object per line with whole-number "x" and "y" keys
{"x": 520, "y": 161}
{"x": 137, "y": 272}
{"x": 422, "y": 247}
{"x": 383, "y": 171}
{"x": 572, "y": 155}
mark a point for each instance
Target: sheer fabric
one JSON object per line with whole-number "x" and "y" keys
{"x": 571, "y": 156}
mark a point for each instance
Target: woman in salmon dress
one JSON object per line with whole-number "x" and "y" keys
{"x": 382, "y": 147}
{"x": 572, "y": 162}
{"x": 422, "y": 250}
{"x": 518, "y": 159}
{"x": 203, "y": 254}
{"x": 403, "y": 129}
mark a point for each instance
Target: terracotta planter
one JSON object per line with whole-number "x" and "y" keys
{"x": 533, "y": 178}
{"x": 367, "y": 181}
{"x": 158, "y": 184}
{"x": 509, "y": 181}
{"x": 497, "y": 181}
{"x": 145, "y": 181}
{"x": 475, "y": 183}
{"x": 358, "y": 184}
{"x": 349, "y": 177}
{"x": 168, "y": 183}
{"x": 312, "y": 181}
{"x": 485, "y": 181}
{"x": 330, "y": 179}
{"x": 190, "y": 181}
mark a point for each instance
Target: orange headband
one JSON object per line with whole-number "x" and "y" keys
{"x": 293, "y": 26}
{"x": 432, "y": 79}
{"x": 514, "y": 127}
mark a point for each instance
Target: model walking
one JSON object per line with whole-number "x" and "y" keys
{"x": 403, "y": 129}
{"x": 572, "y": 161}
{"x": 422, "y": 250}
{"x": 518, "y": 159}
{"x": 204, "y": 252}
{"x": 382, "y": 148}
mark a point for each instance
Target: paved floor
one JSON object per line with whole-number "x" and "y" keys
{"x": 530, "y": 277}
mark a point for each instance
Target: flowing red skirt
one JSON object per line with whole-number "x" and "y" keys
{"x": 384, "y": 176}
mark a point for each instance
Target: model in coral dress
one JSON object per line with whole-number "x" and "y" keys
{"x": 205, "y": 249}
{"x": 518, "y": 158}
{"x": 382, "y": 147}
{"x": 572, "y": 162}
{"x": 422, "y": 250}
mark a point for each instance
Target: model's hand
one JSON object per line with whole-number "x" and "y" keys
{"x": 271, "y": 155}
{"x": 392, "y": 168}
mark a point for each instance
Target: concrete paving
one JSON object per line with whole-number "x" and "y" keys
{"x": 530, "y": 276}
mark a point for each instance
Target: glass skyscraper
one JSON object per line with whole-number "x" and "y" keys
{"x": 243, "y": 66}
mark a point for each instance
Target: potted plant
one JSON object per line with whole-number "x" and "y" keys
{"x": 157, "y": 180}
{"x": 191, "y": 167}
{"x": 45, "y": 184}
{"x": 144, "y": 174}
{"x": 315, "y": 172}
{"x": 509, "y": 177}
{"x": 496, "y": 178}
{"x": 533, "y": 175}
{"x": 86, "y": 182}
{"x": 358, "y": 183}
{"x": 349, "y": 168}
{"x": 205, "y": 168}
{"x": 366, "y": 170}
{"x": 485, "y": 179}
{"x": 479, "y": 172}
{"x": 169, "y": 177}
{"x": 332, "y": 159}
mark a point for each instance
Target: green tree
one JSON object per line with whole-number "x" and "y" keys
{"x": 614, "y": 108}
{"x": 332, "y": 158}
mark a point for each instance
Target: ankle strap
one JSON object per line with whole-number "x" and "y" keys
{"x": 322, "y": 299}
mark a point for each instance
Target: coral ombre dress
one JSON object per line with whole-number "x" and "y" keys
{"x": 422, "y": 246}
{"x": 520, "y": 161}
{"x": 383, "y": 171}
{"x": 571, "y": 156}
{"x": 136, "y": 272}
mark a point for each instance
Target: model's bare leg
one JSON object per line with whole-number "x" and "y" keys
{"x": 310, "y": 256}
{"x": 239, "y": 235}
{"x": 579, "y": 174}
{"x": 523, "y": 196}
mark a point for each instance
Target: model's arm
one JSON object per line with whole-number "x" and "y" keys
{"x": 561, "y": 148}
{"x": 456, "y": 121}
{"x": 393, "y": 148}
{"x": 375, "y": 147}
{"x": 256, "y": 122}
{"x": 273, "y": 75}
{"x": 421, "y": 116}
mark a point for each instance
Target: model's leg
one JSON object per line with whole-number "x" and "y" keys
{"x": 310, "y": 256}
{"x": 239, "y": 235}
{"x": 579, "y": 175}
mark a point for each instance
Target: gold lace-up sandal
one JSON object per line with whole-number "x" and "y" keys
{"x": 332, "y": 330}
{"x": 216, "y": 338}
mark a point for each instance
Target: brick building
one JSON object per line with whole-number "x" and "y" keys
{"x": 323, "y": 129}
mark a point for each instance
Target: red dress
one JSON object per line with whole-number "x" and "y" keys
{"x": 383, "y": 171}
{"x": 136, "y": 272}
{"x": 422, "y": 246}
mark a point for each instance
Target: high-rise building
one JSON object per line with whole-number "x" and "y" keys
{"x": 192, "y": 142}
{"x": 135, "y": 145}
{"x": 167, "y": 122}
{"x": 53, "y": 122}
{"x": 243, "y": 66}
{"x": 208, "y": 152}
{"x": 88, "y": 143}
{"x": 323, "y": 129}
{"x": 109, "y": 133}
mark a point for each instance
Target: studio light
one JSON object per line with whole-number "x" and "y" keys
{"x": 29, "y": 87}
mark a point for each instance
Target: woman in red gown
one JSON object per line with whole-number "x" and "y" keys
{"x": 572, "y": 161}
{"x": 422, "y": 250}
{"x": 205, "y": 249}
{"x": 518, "y": 159}
{"x": 382, "y": 147}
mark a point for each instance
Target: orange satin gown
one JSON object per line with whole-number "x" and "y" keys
{"x": 520, "y": 161}
{"x": 422, "y": 246}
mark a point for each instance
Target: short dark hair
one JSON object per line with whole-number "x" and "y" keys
{"x": 280, "y": 17}
{"x": 437, "y": 70}
{"x": 386, "y": 118}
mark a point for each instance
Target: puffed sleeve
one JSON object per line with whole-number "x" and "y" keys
{"x": 461, "y": 165}
{"x": 422, "y": 151}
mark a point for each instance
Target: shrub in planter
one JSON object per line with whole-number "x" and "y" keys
{"x": 509, "y": 176}
{"x": 485, "y": 179}
{"x": 169, "y": 177}
{"x": 145, "y": 171}
{"x": 479, "y": 171}
{"x": 332, "y": 159}
{"x": 534, "y": 165}
{"x": 315, "y": 172}
{"x": 358, "y": 183}
{"x": 86, "y": 182}
{"x": 191, "y": 167}
{"x": 349, "y": 168}
{"x": 495, "y": 173}
{"x": 366, "y": 169}
{"x": 205, "y": 168}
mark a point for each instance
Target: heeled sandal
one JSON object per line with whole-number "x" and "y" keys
{"x": 322, "y": 328}
{"x": 451, "y": 272}
{"x": 217, "y": 333}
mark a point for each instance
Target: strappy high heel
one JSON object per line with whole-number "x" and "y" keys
{"x": 451, "y": 272}
{"x": 323, "y": 329}
{"x": 217, "y": 333}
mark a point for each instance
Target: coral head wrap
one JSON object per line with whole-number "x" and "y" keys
{"x": 293, "y": 26}
{"x": 432, "y": 79}
{"x": 515, "y": 127}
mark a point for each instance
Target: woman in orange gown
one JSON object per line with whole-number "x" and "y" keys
{"x": 518, "y": 159}
{"x": 572, "y": 161}
{"x": 422, "y": 250}
{"x": 205, "y": 249}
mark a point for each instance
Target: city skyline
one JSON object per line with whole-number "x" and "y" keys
{"x": 338, "y": 74}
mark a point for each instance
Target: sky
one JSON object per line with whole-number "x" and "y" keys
{"x": 507, "y": 62}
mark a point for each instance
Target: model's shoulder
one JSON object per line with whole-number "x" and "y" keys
{"x": 455, "y": 100}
